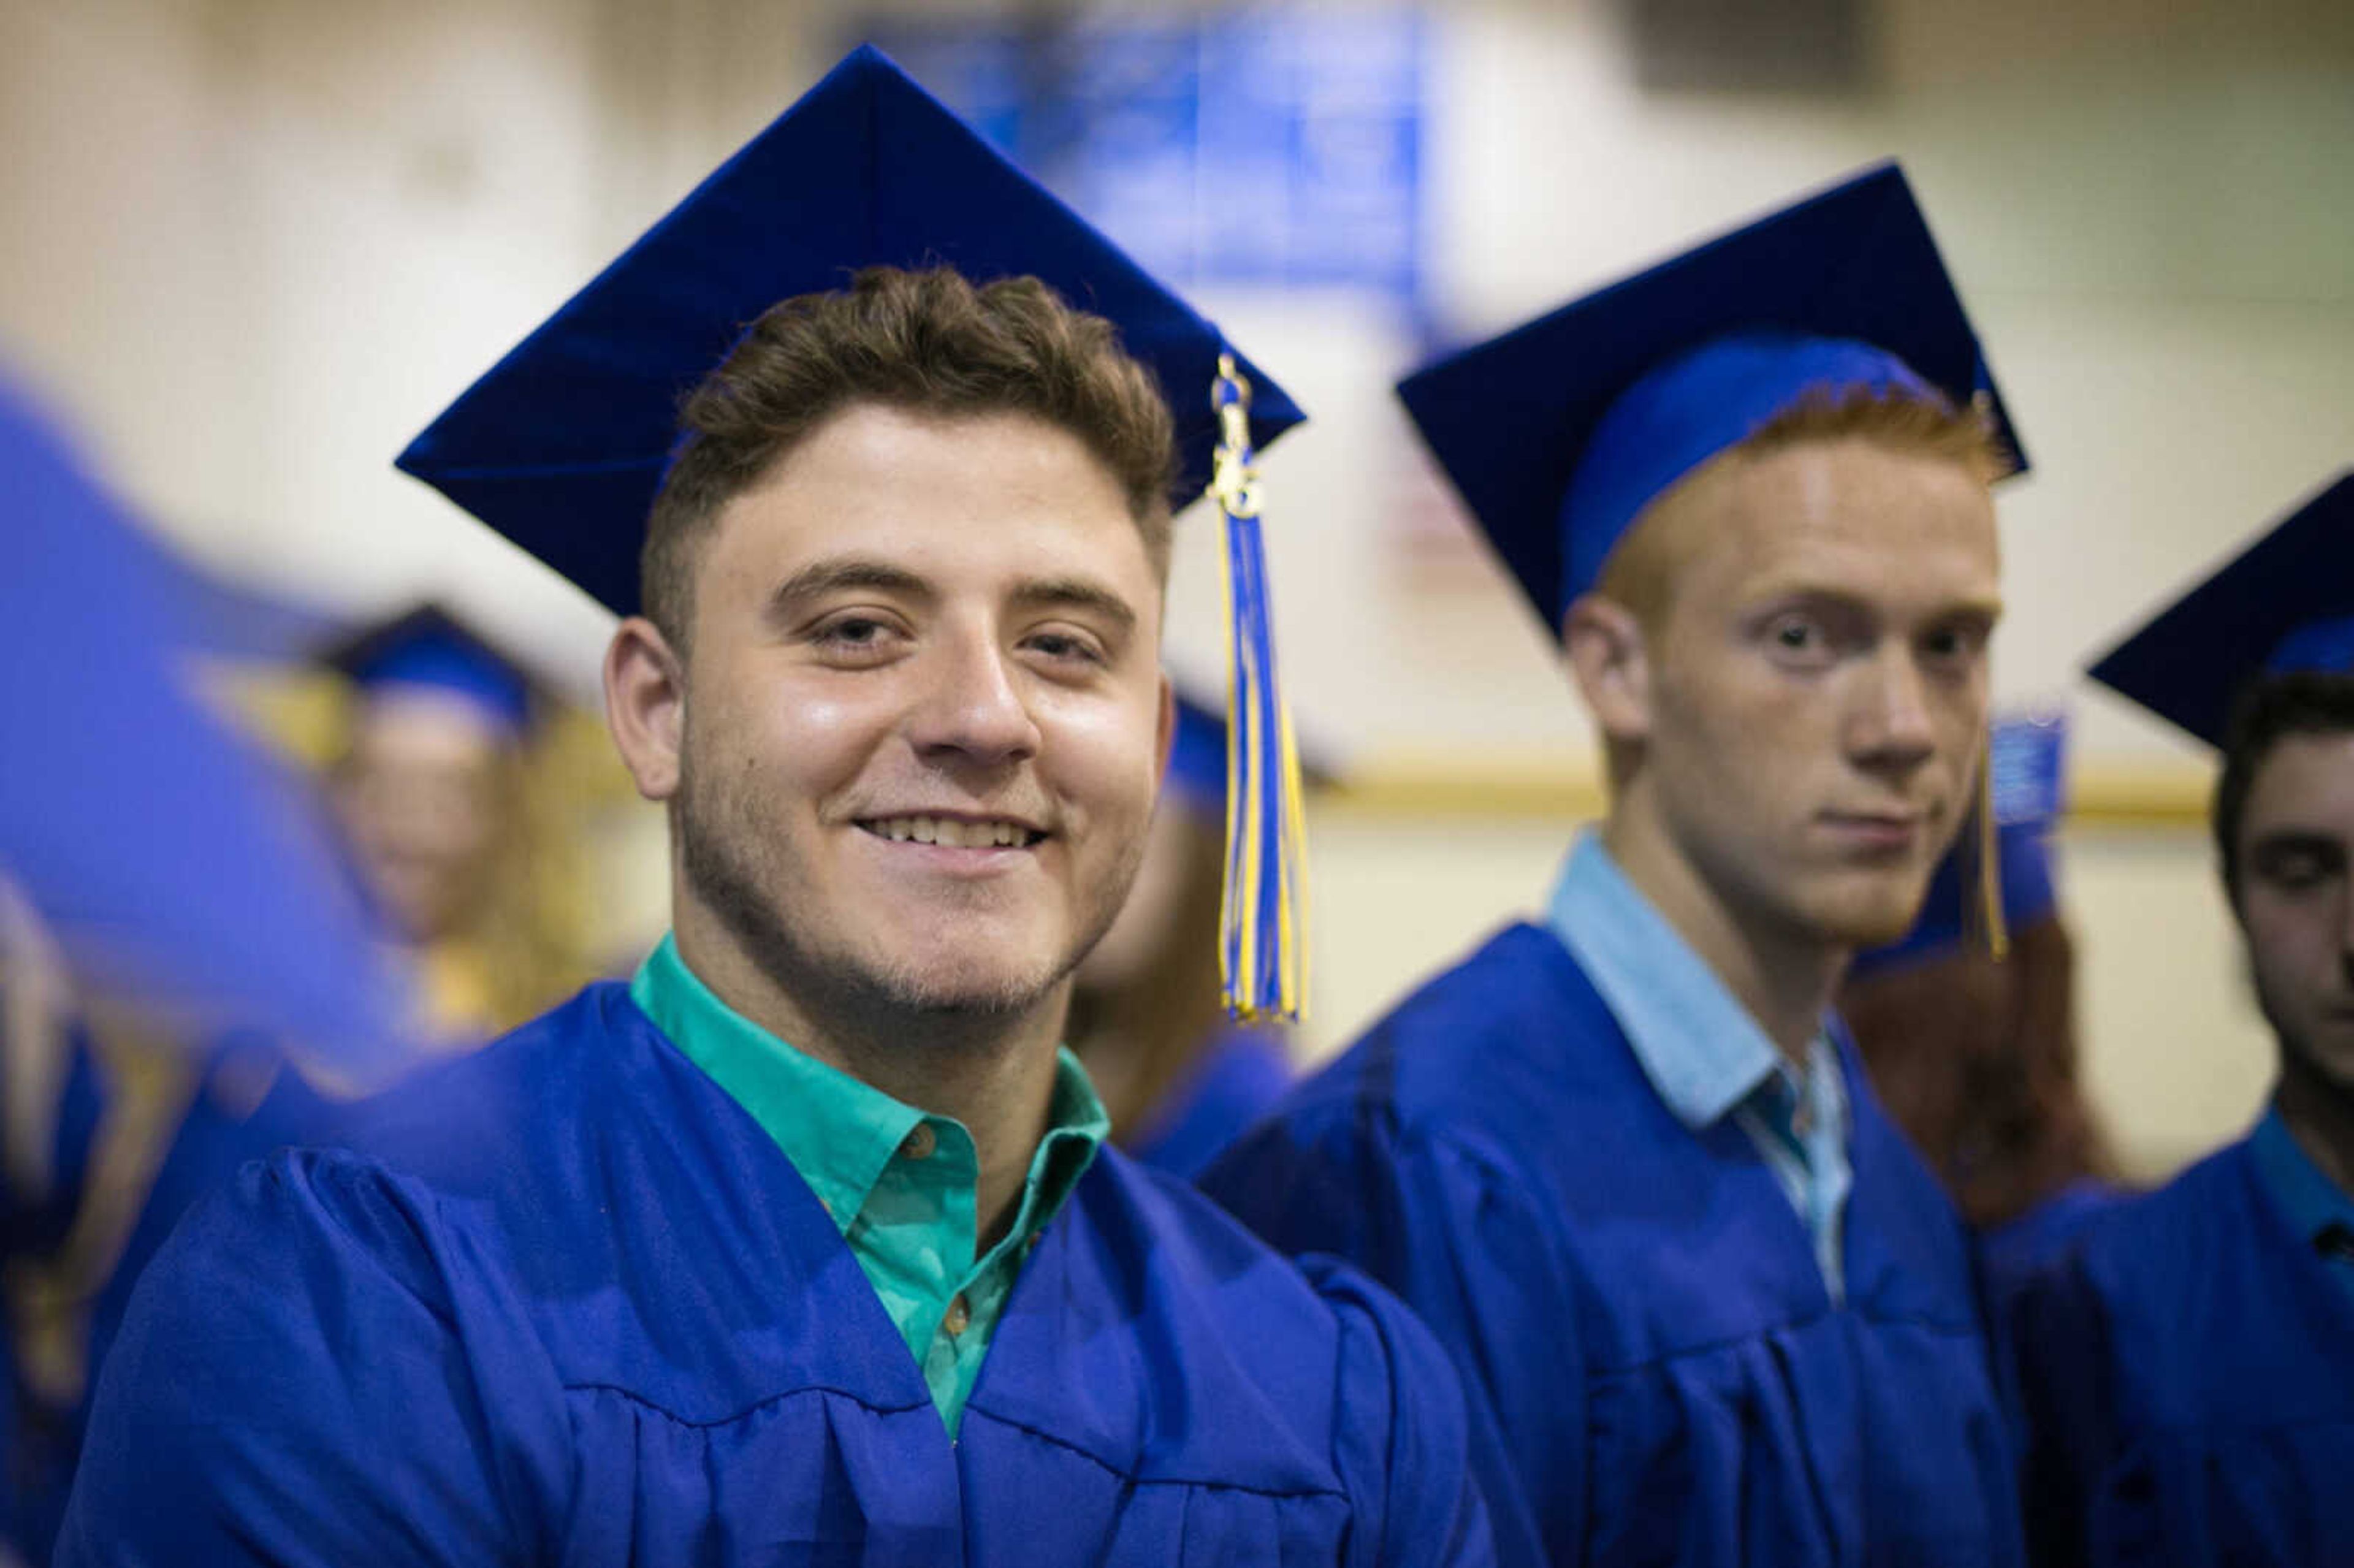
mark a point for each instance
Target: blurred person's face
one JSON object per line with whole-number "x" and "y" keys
{"x": 421, "y": 799}
{"x": 2296, "y": 898}
{"x": 923, "y": 719}
{"x": 1807, "y": 707}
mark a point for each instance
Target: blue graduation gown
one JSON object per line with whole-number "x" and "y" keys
{"x": 1236, "y": 1079}
{"x": 567, "y": 1302}
{"x": 2189, "y": 1379}
{"x": 1662, "y": 1375}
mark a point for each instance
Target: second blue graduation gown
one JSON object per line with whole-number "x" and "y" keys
{"x": 572, "y": 1305}
{"x": 2188, "y": 1378}
{"x": 1662, "y": 1375}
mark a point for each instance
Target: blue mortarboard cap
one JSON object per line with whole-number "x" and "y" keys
{"x": 2286, "y": 604}
{"x": 170, "y": 859}
{"x": 1558, "y": 433}
{"x": 563, "y": 445}
{"x": 2026, "y": 766}
{"x": 428, "y": 646}
{"x": 1196, "y": 779}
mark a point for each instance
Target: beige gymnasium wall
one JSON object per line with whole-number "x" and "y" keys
{"x": 254, "y": 245}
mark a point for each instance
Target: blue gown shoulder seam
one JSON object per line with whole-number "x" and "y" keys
{"x": 1354, "y": 1112}
{"x": 1684, "y": 1352}
{"x": 636, "y": 1398}
{"x": 1059, "y": 1441}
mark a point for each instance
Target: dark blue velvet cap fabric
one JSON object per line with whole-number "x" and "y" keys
{"x": 428, "y": 646}
{"x": 563, "y": 445}
{"x": 2284, "y": 604}
{"x": 1558, "y": 432}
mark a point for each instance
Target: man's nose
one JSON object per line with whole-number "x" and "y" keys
{"x": 972, "y": 707}
{"x": 1892, "y": 727}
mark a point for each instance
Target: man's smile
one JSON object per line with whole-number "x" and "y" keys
{"x": 955, "y": 832}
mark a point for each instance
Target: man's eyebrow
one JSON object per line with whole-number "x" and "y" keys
{"x": 840, "y": 574}
{"x": 1798, "y": 589}
{"x": 1077, "y": 593}
{"x": 1981, "y": 606}
{"x": 2301, "y": 840}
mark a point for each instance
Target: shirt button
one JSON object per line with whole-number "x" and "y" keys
{"x": 920, "y": 1144}
{"x": 960, "y": 1316}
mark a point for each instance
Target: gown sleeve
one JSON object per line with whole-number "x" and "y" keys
{"x": 1402, "y": 1437}
{"x": 1462, "y": 1245}
{"x": 306, "y": 1378}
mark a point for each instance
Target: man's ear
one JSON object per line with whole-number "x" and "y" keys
{"x": 645, "y": 705}
{"x": 1605, "y": 643}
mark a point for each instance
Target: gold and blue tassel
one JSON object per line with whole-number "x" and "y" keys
{"x": 1263, "y": 929}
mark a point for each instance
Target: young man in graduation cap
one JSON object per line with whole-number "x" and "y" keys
{"x": 2189, "y": 1369}
{"x": 803, "y": 1247}
{"x": 1716, "y": 1311}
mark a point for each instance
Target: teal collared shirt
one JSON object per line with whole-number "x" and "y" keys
{"x": 2313, "y": 1205}
{"x": 1703, "y": 1052}
{"x": 900, "y": 1184}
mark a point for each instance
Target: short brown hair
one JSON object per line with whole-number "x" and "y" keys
{"x": 925, "y": 341}
{"x": 1637, "y": 574}
{"x": 2272, "y": 709}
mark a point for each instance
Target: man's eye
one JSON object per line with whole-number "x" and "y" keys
{"x": 2296, "y": 870}
{"x": 1798, "y": 639}
{"x": 1952, "y": 644}
{"x": 1066, "y": 647}
{"x": 854, "y": 634}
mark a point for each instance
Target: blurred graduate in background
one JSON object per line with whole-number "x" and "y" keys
{"x": 428, "y": 789}
{"x": 2188, "y": 1367}
{"x": 1180, "y": 1079}
{"x": 1975, "y": 1054}
{"x": 162, "y": 882}
{"x": 430, "y": 784}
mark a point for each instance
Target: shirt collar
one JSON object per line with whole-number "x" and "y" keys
{"x": 2301, "y": 1191}
{"x": 1700, "y": 1047}
{"x": 840, "y": 1133}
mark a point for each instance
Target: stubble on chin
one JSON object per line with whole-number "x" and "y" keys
{"x": 737, "y": 872}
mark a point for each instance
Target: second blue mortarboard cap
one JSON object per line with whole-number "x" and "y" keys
{"x": 427, "y": 646}
{"x": 1559, "y": 432}
{"x": 2026, "y": 760}
{"x": 2283, "y": 605}
{"x": 563, "y": 444}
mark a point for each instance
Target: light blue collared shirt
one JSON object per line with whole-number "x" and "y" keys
{"x": 1702, "y": 1050}
{"x": 2311, "y": 1201}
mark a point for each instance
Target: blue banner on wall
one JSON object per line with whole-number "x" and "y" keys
{"x": 1264, "y": 146}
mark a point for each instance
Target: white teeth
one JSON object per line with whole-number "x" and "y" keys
{"x": 952, "y": 833}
